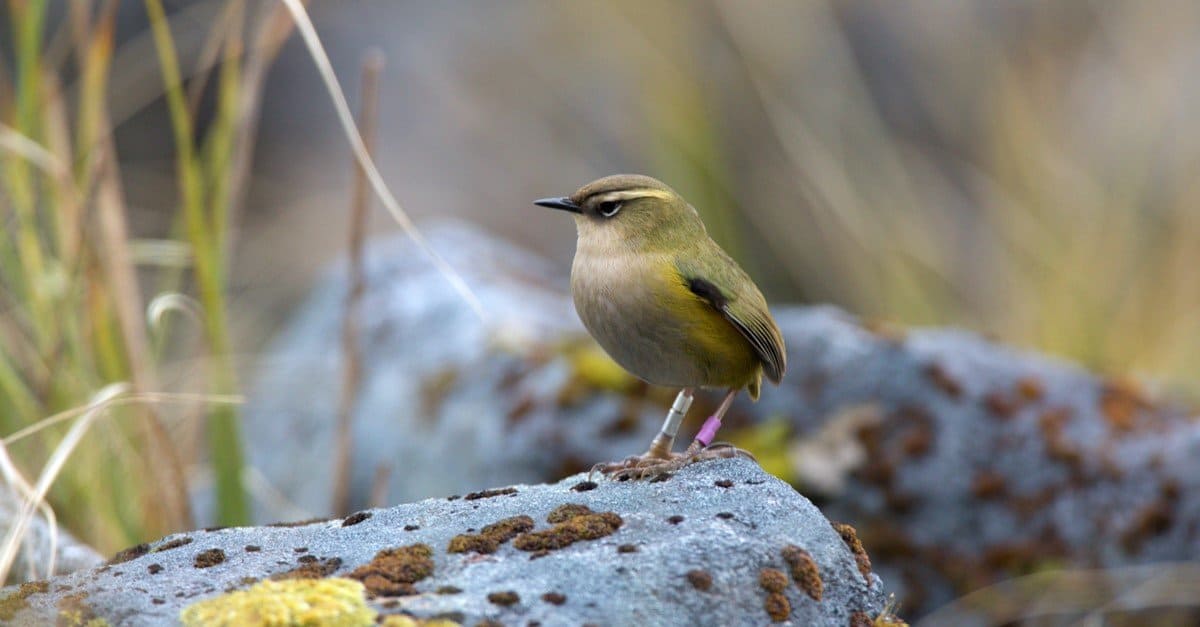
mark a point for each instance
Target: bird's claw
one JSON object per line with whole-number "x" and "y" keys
{"x": 647, "y": 467}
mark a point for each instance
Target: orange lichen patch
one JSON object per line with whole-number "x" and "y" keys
{"x": 850, "y": 537}
{"x": 772, "y": 580}
{"x": 312, "y": 568}
{"x": 804, "y": 571}
{"x": 1120, "y": 402}
{"x": 491, "y": 537}
{"x": 860, "y": 619}
{"x": 700, "y": 579}
{"x": 566, "y": 512}
{"x": 941, "y": 379}
{"x": 1000, "y": 404}
{"x": 487, "y": 494}
{"x": 563, "y": 534}
{"x": 1030, "y": 389}
{"x": 505, "y": 598}
{"x": 392, "y": 572}
{"x": 988, "y": 485}
{"x": 1152, "y": 520}
{"x": 1052, "y": 423}
{"x": 125, "y": 555}
{"x": 886, "y": 331}
{"x": 777, "y": 607}
{"x": 174, "y": 544}
{"x": 209, "y": 558}
{"x": 554, "y": 598}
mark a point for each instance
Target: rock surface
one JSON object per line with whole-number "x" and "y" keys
{"x": 720, "y": 542}
{"x": 961, "y": 461}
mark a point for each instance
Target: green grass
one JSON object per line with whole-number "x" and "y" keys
{"x": 73, "y": 301}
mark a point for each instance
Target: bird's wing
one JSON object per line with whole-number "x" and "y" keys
{"x": 729, "y": 290}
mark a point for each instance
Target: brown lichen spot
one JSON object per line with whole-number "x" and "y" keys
{"x": 1120, "y": 402}
{"x": 988, "y": 485}
{"x": 777, "y": 607}
{"x": 554, "y": 598}
{"x": 860, "y": 619}
{"x": 700, "y": 579}
{"x": 449, "y": 590}
{"x": 15, "y": 602}
{"x": 943, "y": 381}
{"x": 487, "y": 494}
{"x": 393, "y": 571}
{"x": 355, "y": 518}
{"x": 725, "y": 515}
{"x": 584, "y": 486}
{"x": 311, "y": 569}
{"x": 411, "y": 527}
{"x": 307, "y": 559}
{"x": 1030, "y": 389}
{"x": 586, "y": 527}
{"x": 73, "y": 609}
{"x": 804, "y": 571}
{"x": 567, "y": 511}
{"x": 300, "y": 549}
{"x": 154, "y": 569}
{"x": 627, "y": 548}
{"x": 772, "y": 580}
{"x": 158, "y": 601}
{"x": 209, "y": 558}
{"x": 850, "y": 537}
{"x": 253, "y": 548}
{"x": 132, "y": 552}
{"x": 505, "y": 598}
{"x": 492, "y": 536}
{"x": 723, "y": 483}
{"x": 999, "y": 404}
{"x": 1152, "y": 520}
{"x": 173, "y": 544}
{"x": 675, "y": 520}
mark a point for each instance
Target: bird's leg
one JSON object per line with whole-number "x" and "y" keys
{"x": 660, "y": 447}
{"x": 698, "y": 450}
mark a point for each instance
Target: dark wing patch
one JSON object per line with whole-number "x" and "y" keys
{"x": 759, "y": 332}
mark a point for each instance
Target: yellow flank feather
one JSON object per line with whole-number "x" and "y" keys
{"x": 729, "y": 359}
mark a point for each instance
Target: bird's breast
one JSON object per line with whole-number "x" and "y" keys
{"x": 644, "y": 316}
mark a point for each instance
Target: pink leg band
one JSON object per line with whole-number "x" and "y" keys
{"x": 709, "y": 430}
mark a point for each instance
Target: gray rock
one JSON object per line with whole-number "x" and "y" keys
{"x": 726, "y": 519}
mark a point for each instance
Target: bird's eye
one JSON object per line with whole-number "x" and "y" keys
{"x": 608, "y": 209}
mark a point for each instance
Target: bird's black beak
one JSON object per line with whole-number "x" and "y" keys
{"x": 564, "y": 203}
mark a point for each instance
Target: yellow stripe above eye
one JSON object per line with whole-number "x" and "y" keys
{"x": 630, "y": 194}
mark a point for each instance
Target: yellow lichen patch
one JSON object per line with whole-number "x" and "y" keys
{"x": 333, "y": 602}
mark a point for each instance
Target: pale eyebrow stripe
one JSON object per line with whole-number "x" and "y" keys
{"x": 630, "y": 194}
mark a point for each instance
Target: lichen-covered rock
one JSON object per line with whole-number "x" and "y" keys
{"x": 960, "y": 462}
{"x": 689, "y": 550}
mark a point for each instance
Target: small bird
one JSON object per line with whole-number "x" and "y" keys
{"x": 668, "y": 305}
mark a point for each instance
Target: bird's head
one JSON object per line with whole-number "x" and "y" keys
{"x": 626, "y": 211}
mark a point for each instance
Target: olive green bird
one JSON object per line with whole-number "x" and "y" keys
{"x": 669, "y": 306}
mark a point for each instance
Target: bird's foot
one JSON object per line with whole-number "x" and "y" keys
{"x": 651, "y": 466}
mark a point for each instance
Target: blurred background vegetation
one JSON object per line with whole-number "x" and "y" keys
{"x": 173, "y": 172}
